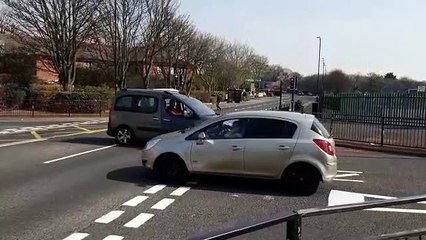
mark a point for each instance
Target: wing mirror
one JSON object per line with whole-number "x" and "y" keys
{"x": 201, "y": 136}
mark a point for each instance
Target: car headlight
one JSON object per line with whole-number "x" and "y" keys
{"x": 151, "y": 144}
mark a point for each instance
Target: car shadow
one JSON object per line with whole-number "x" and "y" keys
{"x": 235, "y": 185}
{"x": 101, "y": 141}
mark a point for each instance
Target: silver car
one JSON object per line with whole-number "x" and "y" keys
{"x": 288, "y": 146}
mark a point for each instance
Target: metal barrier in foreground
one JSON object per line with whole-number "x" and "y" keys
{"x": 293, "y": 221}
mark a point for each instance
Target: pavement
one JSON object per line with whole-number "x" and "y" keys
{"x": 83, "y": 186}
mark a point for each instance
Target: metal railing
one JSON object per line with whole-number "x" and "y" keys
{"x": 402, "y": 132}
{"x": 293, "y": 221}
{"x": 65, "y": 108}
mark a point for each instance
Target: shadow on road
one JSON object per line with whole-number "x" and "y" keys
{"x": 141, "y": 177}
{"x": 101, "y": 141}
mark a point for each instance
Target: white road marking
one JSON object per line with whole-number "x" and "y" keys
{"x": 155, "y": 189}
{"x": 77, "y": 236}
{"x": 336, "y": 198}
{"x": 180, "y": 191}
{"x": 45, "y": 139}
{"x": 109, "y": 217}
{"x": 135, "y": 201}
{"x": 113, "y": 237}
{"x": 347, "y": 175}
{"x": 397, "y": 210}
{"x": 163, "y": 203}
{"x": 78, "y": 154}
{"x": 341, "y": 171}
{"x": 139, "y": 220}
{"x": 348, "y": 180}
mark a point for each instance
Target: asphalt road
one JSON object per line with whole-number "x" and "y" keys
{"x": 85, "y": 187}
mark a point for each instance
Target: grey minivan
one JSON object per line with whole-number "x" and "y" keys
{"x": 146, "y": 113}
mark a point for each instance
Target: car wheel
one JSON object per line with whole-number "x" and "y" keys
{"x": 124, "y": 136}
{"x": 172, "y": 170}
{"x": 302, "y": 180}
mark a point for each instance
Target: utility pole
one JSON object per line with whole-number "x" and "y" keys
{"x": 319, "y": 65}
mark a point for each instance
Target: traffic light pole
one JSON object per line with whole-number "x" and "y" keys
{"x": 293, "y": 87}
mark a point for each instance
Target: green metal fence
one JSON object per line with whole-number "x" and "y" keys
{"x": 389, "y": 105}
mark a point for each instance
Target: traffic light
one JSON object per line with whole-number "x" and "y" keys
{"x": 292, "y": 83}
{"x": 176, "y": 80}
{"x": 181, "y": 80}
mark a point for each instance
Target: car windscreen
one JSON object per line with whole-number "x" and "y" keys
{"x": 197, "y": 106}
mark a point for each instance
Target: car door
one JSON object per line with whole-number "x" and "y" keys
{"x": 146, "y": 116}
{"x": 269, "y": 145}
{"x": 222, "y": 150}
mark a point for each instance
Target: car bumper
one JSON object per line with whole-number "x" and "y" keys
{"x": 148, "y": 158}
{"x": 330, "y": 171}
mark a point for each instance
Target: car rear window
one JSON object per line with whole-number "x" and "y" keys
{"x": 320, "y": 129}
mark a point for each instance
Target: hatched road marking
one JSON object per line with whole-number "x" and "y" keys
{"x": 135, "y": 201}
{"x": 155, "y": 189}
{"x": 139, "y": 220}
{"x": 52, "y": 126}
{"x": 180, "y": 191}
{"x": 77, "y": 236}
{"x": 163, "y": 204}
{"x": 113, "y": 237}
{"x": 109, "y": 217}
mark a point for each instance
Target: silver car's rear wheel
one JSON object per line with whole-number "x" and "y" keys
{"x": 124, "y": 136}
{"x": 302, "y": 179}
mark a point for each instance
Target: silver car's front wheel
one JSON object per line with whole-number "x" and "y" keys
{"x": 124, "y": 136}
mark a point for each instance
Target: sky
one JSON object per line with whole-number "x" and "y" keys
{"x": 358, "y": 36}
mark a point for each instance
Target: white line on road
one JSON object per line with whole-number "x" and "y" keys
{"x": 77, "y": 236}
{"x": 139, "y": 220}
{"x": 347, "y": 175}
{"x": 113, "y": 237}
{"x": 155, "y": 189}
{"x": 79, "y": 154}
{"x": 135, "y": 201}
{"x": 163, "y": 203}
{"x": 109, "y": 217}
{"x": 397, "y": 210}
{"x": 341, "y": 171}
{"x": 347, "y": 180}
{"x": 180, "y": 191}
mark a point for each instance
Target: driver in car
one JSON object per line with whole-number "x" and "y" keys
{"x": 174, "y": 110}
{"x": 235, "y": 131}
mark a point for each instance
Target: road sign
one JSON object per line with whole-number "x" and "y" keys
{"x": 421, "y": 88}
{"x": 342, "y": 197}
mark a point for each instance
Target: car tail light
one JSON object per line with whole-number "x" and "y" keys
{"x": 325, "y": 146}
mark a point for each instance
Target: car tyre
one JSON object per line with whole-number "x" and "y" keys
{"x": 301, "y": 180}
{"x": 171, "y": 171}
{"x": 124, "y": 136}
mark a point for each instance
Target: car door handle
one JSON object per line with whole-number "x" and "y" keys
{"x": 166, "y": 120}
{"x": 236, "y": 148}
{"x": 155, "y": 118}
{"x": 283, "y": 147}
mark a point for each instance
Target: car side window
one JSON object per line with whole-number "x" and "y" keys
{"x": 270, "y": 128}
{"x": 146, "y": 104}
{"x": 228, "y": 129}
{"x": 124, "y": 103}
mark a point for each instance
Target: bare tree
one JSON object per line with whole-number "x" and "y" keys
{"x": 4, "y": 21}
{"x": 177, "y": 34}
{"x": 119, "y": 33}
{"x": 54, "y": 29}
{"x": 160, "y": 14}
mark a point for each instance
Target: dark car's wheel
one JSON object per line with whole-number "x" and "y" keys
{"x": 124, "y": 136}
{"x": 170, "y": 169}
{"x": 301, "y": 179}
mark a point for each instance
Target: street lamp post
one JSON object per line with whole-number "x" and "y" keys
{"x": 323, "y": 75}
{"x": 319, "y": 63}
